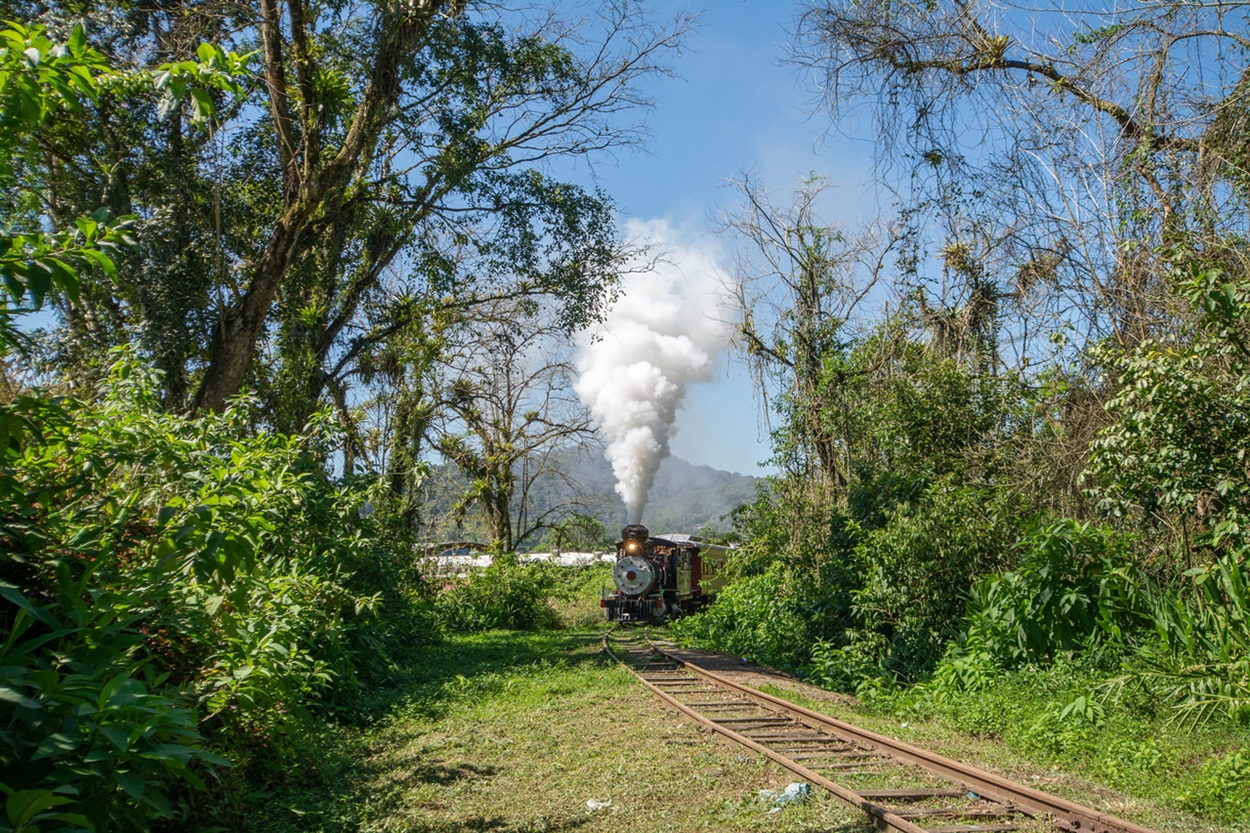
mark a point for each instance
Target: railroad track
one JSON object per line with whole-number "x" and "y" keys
{"x": 899, "y": 786}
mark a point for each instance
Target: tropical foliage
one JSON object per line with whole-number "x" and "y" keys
{"x": 1029, "y": 464}
{"x": 171, "y": 589}
{"x": 254, "y": 235}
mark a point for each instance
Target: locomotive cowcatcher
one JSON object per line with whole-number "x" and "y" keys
{"x": 662, "y": 576}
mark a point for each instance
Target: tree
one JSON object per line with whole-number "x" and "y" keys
{"x": 393, "y": 159}
{"x": 43, "y": 79}
{"x": 578, "y": 533}
{"x": 1083, "y": 152}
{"x": 1175, "y": 455}
{"x": 510, "y": 419}
{"x": 44, "y": 83}
{"x": 798, "y": 284}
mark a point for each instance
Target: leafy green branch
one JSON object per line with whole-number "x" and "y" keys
{"x": 38, "y": 78}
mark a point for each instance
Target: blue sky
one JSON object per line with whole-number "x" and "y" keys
{"x": 734, "y": 107}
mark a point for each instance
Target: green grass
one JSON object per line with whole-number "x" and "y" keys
{"x": 513, "y": 732}
{"x": 1130, "y": 761}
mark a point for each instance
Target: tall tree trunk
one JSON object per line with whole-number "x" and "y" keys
{"x": 400, "y": 32}
{"x": 809, "y": 365}
{"x": 498, "y": 506}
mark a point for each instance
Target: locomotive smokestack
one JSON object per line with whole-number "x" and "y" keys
{"x": 635, "y": 537}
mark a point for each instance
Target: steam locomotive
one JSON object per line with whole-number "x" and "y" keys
{"x": 662, "y": 576}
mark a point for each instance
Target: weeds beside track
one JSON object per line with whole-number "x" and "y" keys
{"x": 920, "y": 786}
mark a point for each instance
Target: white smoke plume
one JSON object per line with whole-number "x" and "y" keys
{"x": 662, "y": 335}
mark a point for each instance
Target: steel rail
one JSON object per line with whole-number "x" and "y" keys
{"x": 1066, "y": 815}
{"x": 884, "y": 819}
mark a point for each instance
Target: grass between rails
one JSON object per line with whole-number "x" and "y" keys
{"x": 512, "y": 732}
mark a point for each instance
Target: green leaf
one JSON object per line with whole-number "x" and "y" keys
{"x": 76, "y": 819}
{"x": 12, "y": 594}
{"x": 167, "y": 104}
{"x": 110, "y": 688}
{"x": 38, "y": 281}
{"x": 201, "y": 105}
{"x": 11, "y": 695}
{"x": 157, "y": 802}
{"x": 12, "y": 282}
{"x": 131, "y": 782}
{"x": 23, "y": 806}
{"x": 175, "y": 751}
{"x": 87, "y": 226}
{"x": 64, "y": 276}
{"x": 117, "y": 736}
{"x": 77, "y": 39}
{"x": 102, "y": 262}
{"x": 209, "y": 758}
{"x": 58, "y": 744}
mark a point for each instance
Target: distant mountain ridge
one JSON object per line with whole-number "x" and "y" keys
{"x": 684, "y": 498}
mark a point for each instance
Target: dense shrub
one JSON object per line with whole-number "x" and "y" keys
{"x": 766, "y": 618}
{"x": 917, "y": 570}
{"x": 1076, "y": 598}
{"x": 787, "y": 584}
{"x": 506, "y": 594}
{"x": 1176, "y": 449}
{"x": 878, "y": 558}
{"x": 170, "y": 586}
{"x": 1198, "y": 658}
{"x": 1074, "y": 587}
{"x": 876, "y": 603}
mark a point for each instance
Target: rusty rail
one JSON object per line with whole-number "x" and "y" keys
{"x": 788, "y": 734}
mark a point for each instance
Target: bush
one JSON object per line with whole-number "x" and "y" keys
{"x": 1073, "y": 588}
{"x": 917, "y": 570}
{"x": 845, "y": 667}
{"x": 764, "y": 618}
{"x": 505, "y": 595}
{"x": 84, "y": 731}
{"x": 169, "y": 586}
{"x": 855, "y": 603}
{"x": 1199, "y": 657}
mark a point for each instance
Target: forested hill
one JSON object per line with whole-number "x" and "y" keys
{"x": 685, "y": 497}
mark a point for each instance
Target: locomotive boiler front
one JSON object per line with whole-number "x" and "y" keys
{"x": 634, "y": 573}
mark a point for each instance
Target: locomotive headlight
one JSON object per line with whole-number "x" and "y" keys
{"x": 634, "y": 539}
